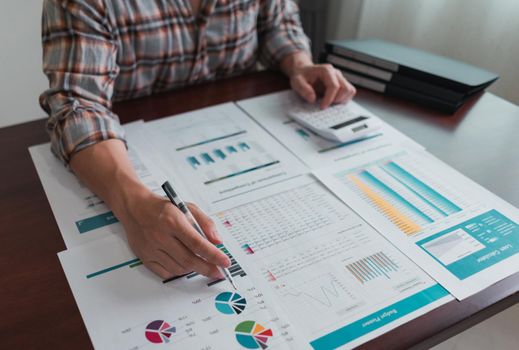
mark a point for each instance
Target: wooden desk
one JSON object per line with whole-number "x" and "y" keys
{"x": 37, "y": 309}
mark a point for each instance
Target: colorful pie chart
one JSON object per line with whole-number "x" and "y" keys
{"x": 230, "y": 303}
{"x": 252, "y": 335}
{"x": 159, "y": 332}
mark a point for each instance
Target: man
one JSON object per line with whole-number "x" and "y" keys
{"x": 99, "y": 51}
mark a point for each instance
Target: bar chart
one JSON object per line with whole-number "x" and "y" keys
{"x": 225, "y": 157}
{"x": 373, "y": 266}
{"x": 217, "y": 154}
{"x": 410, "y": 201}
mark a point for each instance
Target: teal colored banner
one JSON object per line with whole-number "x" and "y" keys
{"x": 95, "y": 222}
{"x": 475, "y": 244}
{"x": 379, "y": 319}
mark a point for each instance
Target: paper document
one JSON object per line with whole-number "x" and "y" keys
{"x": 221, "y": 157}
{"x": 337, "y": 279}
{"x": 80, "y": 214}
{"x": 125, "y": 306}
{"x": 465, "y": 237}
{"x": 270, "y": 111}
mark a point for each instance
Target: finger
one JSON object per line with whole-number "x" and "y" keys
{"x": 331, "y": 85}
{"x": 198, "y": 244}
{"x": 351, "y": 90}
{"x": 189, "y": 261}
{"x": 303, "y": 88}
{"x": 206, "y": 224}
{"x": 170, "y": 261}
{"x": 343, "y": 93}
{"x": 157, "y": 269}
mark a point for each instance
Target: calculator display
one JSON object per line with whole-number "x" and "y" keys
{"x": 348, "y": 122}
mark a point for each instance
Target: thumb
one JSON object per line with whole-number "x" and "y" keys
{"x": 303, "y": 88}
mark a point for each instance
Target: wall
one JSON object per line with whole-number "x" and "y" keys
{"x": 480, "y": 32}
{"x": 343, "y": 19}
{"x": 21, "y": 78}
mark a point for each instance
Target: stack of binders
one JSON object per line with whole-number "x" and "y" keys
{"x": 436, "y": 81}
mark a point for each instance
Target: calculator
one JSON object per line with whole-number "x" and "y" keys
{"x": 335, "y": 123}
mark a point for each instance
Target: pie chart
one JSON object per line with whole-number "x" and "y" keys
{"x": 230, "y": 303}
{"x": 252, "y": 335}
{"x": 159, "y": 332}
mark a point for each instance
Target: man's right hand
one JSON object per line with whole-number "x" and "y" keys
{"x": 158, "y": 233}
{"x": 161, "y": 236}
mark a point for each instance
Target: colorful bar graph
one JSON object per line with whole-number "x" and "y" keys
{"x": 388, "y": 191}
{"x": 427, "y": 193}
{"x": 399, "y": 219}
{"x": 372, "y": 267}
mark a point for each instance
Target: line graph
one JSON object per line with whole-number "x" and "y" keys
{"x": 324, "y": 291}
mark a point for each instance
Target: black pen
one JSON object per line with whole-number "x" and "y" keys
{"x": 177, "y": 202}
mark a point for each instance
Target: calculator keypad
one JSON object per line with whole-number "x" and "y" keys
{"x": 323, "y": 118}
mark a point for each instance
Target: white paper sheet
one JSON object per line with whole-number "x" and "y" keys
{"x": 81, "y": 215}
{"x": 221, "y": 158}
{"x": 465, "y": 237}
{"x": 337, "y": 279}
{"x": 125, "y": 306}
{"x": 270, "y": 111}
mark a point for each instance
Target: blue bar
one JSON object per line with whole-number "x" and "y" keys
{"x": 96, "y": 222}
{"x": 383, "y": 187}
{"x": 380, "y": 318}
{"x": 427, "y": 201}
{"x": 376, "y": 268}
{"x": 244, "y": 146}
{"x": 193, "y": 162}
{"x": 219, "y": 153}
{"x": 207, "y": 158}
{"x": 111, "y": 268}
{"x": 303, "y": 134}
{"x": 231, "y": 149}
{"x": 422, "y": 188}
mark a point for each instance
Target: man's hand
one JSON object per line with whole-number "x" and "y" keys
{"x": 158, "y": 233}
{"x": 311, "y": 81}
{"x": 161, "y": 236}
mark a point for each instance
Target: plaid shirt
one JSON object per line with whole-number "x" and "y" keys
{"x": 98, "y": 51}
